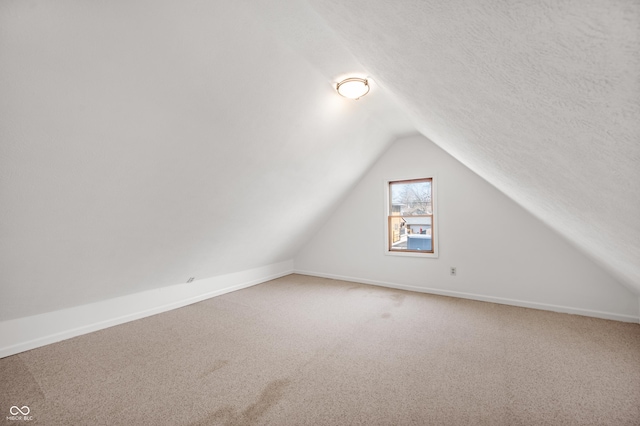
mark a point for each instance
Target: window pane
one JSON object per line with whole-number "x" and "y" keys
{"x": 411, "y": 233}
{"x": 411, "y": 215}
{"x": 411, "y": 198}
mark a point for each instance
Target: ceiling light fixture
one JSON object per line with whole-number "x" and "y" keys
{"x": 353, "y": 88}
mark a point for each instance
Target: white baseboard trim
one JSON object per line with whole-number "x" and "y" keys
{"x": 27, "y": 333}
{"x": 480, "y": 297}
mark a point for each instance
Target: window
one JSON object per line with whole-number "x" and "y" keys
{"x": 410, "y": 225}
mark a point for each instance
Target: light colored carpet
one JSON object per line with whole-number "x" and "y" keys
{"x": 310, "y": 351}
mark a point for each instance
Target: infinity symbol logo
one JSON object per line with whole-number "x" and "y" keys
{"x": 15, "y": 410}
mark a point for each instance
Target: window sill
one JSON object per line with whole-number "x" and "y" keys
{"x": 411, "y": 254}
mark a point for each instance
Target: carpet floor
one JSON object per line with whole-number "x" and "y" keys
{"x": 302, "y": 350}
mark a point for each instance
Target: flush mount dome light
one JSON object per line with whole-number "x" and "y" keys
{"x": 353, "y": 88}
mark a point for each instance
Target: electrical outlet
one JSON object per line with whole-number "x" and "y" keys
{"x": 191, "y": 279}
{"x": 454, "y": 270}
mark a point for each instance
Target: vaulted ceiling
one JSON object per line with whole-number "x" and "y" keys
{"x": 145, "y": 142}
{"x": 542, "y": 99}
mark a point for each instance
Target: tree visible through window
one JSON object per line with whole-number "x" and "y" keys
{"x": 411, "y": 216}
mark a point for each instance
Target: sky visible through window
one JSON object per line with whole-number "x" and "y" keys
{"x": 414, "y": 197}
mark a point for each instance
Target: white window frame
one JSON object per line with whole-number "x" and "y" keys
{"x": 435, "y": 218}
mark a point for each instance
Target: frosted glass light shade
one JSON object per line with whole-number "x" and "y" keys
{"x": 353, "y": 88}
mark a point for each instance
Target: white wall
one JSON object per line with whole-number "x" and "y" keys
{"x": 30, "y": 332}
{"x": 132, "y": 141}
{"x": 502, "y": 253}
{"x": 501, "y": 88}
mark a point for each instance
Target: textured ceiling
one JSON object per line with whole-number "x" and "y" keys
{"x": 541, "y": 98}
{"x": 144, "y": 142}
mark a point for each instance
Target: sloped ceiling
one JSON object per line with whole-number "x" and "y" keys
{"x": 541, "y": 98}
{"x": 146, "y": 142}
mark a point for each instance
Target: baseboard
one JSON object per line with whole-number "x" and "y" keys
{"x": 27, "y": 333}
{"x": 480, "y": 297}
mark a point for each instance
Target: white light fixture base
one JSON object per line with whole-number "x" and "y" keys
{"x": 353, "y": 87}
